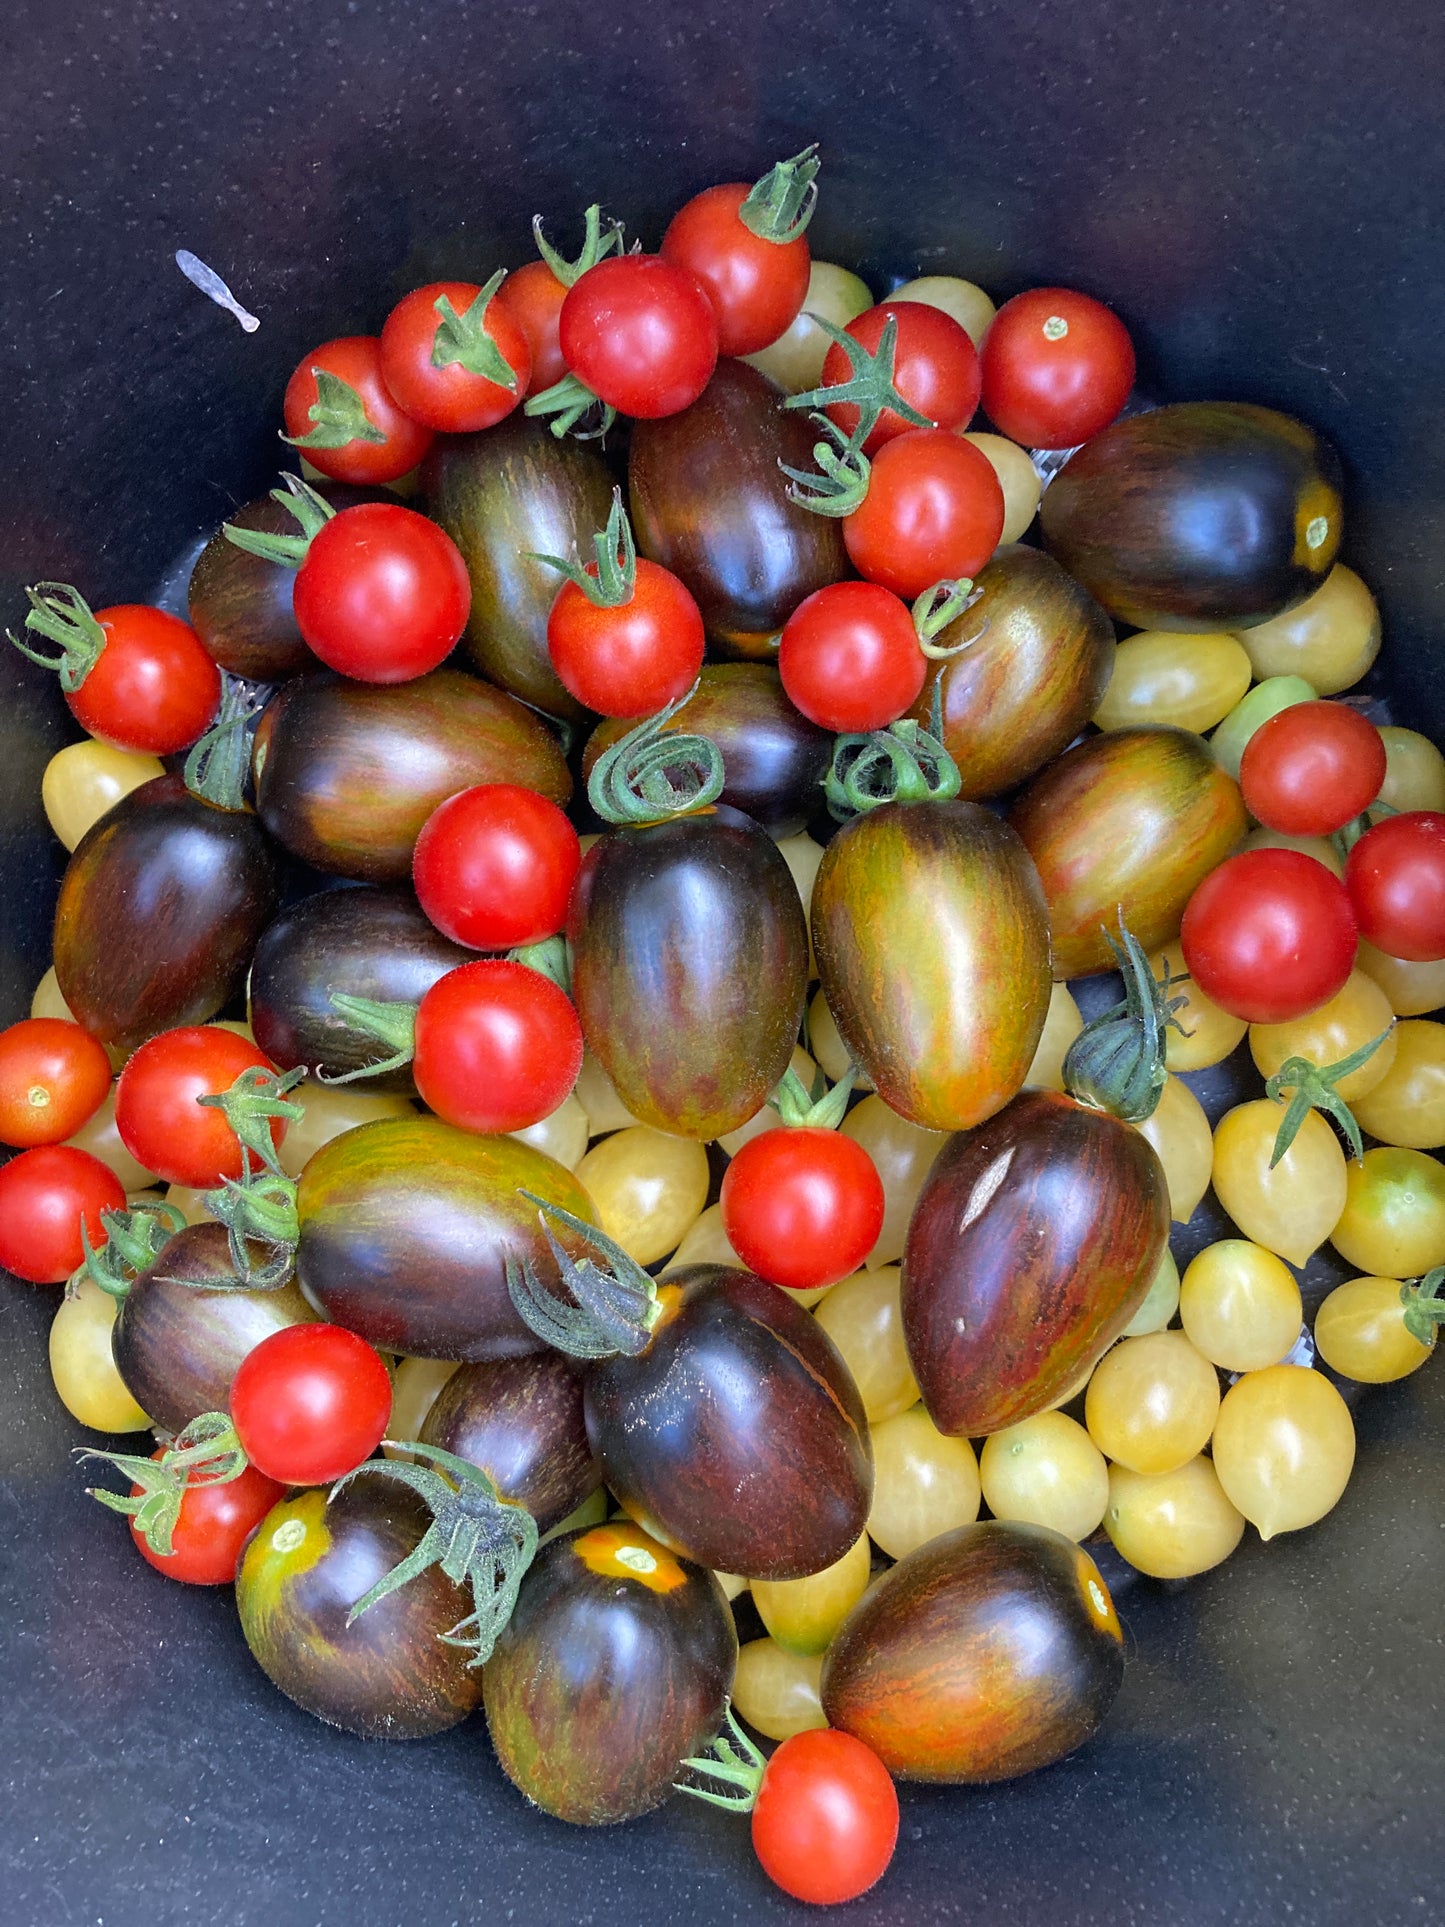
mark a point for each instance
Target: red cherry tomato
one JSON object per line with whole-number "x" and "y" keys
{"x": 1057, "y": 367}
{"x": 1312, "y": 768}
{"x": 1269, "y": 935}
{"x": 45, "y": 1196}
{"x": 383, "y": 442}
{"x": 802, "y": 1207}
{"x": 383, "y": 593}
{"x": 934, "y": 510}
{"x": 826, "y": 1819}
{"x": 152, "y": 688}
{"x": 935, "y": 369}
{"x": 157, "y": 1113}
{"x": 53, "y": 1076}
{"x": 310, "y": 1403}
{"x": 641, "y": 334}
{"x": 448, "y": 394}
{"x": 214, "y": 1524}
{"x": 631, "y": 659}
{"x": 498, "y": 1046}
{"x": 1395, "y": 875}
{"x": 756, "y": 286}
{"x": 533, "y": 296}
{"x": 849, "y": 657}
{"x": 494, "y": 867}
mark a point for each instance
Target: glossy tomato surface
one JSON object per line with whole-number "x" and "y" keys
{"x": 935, "y": 369}
{"x": 1269, "y": 935}
{"x": 310, "y": 1403}
{"x": 438, "y": 378}
{"x": 152, "y": 687}
{"x": 46, "y": 1195}
{"x": 158, "y": 1109}
{"x": 216, "y": 1519}
{"x": 494, "y": 866}
{"x": 53, "y": 1076}
{"x": 368, "y": 439}
{"x": 1057, "y": 367}
{"x": 756, "y": 286}
{"x": 641, "y": 333}
{"x": 383, "y": 593}
{"x": 933, "y": 512}
{"x": 826, "y": 1820}
{"x": 1396, "y": 879}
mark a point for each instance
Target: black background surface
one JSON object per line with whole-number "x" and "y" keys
{"x": 1257, "y": 189}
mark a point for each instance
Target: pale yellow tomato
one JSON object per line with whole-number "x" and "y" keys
{"x": 965, "y": 302}
{"x": 1017, "y": 477}
{"x": 1179, "y": 1132}
{"x": 1240, "y": 1306}
{"x": 190, "y": 1201}
{"x": 84, "y": 780}
{"x": 1293, "y": 1208}
{"x": 99, "y": 1136}
{"x": 804, "y": 1614}
{"x": 1062, "y": 1024}
{"x": 1407, "y": 1106}
{"x": 90, "y": 1387}
{"x": 1161, "y": 1301}
{"x": 1206, "y": 1034}
{"x": 778, "y": 1692}
{"x": 414, "y": 1387}
{"x": 1319, "y": 847}
{"x": 1284, "y": 1447}
{"x": 1412, "y": 988}
{"x": 1047, "y": 1471}
{"x": 649, "y": 1189}
{"x": 1393, "y": 1223}
{"x": 595, "y": 1092}
{"x": 326, "y": 1111}
{"x": 802, "y": 856}
{"x": 1252, "y": 712}
{"x": 1152, "y": 1402}
{"x": 767, "y": 1119}
{"x": 1174, "y": 1524}
{"x": 1188, "y": 682}
{"x": 1414, "y": 770}
{"x": 795, "y": 360}
{"x": 923, "y": 1483}
{"x": 829, "y": 1049}
{"x": 862, "y": 1317}
{"x": 47, "y": 1000}
{"x": 1358, "y": 1012}
{"x": 1331, "y": 637}
{"x": 706, "y": 1243}
{"x": 562, "y": 1134}
{"x": 1360, "y": 1333}
{"x": 902, "y": 1155}
{"x": 734, "y": 1585}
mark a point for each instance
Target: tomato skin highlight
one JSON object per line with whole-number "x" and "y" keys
{"x": 498, "y": 1046}
{"x": 640, "y": 333}
{"x": 309, "y": 1403}
{"x": 356, "y": 360}
{"x": 1269, "y": 935}
{"x": 934, "y": 510}
{"x": 533, "y": 296}
{"x": 215, "y": 1522}
{"x": 631, "y": 659}
{"x": 45, "y": 1194}
{"x": 1049, "y": 385}
{"x": 935, "y": 370}
{"x": 157, "y": 1112}
{"x": 383, "y": 594}
{"x": 1395, "y": 875}
{"x": 849, "y": 657}
{"x": 826, "y": 1820}
{"x": 802, "y": 1207}
{"x": 494, "y": 867}
{"x": 1312, "y": 768}
{"x": 450, "y": 398}
{"x": 152, "y": 688}
{"x": 756, "y": 286}
{"x": 53, "y": 1077}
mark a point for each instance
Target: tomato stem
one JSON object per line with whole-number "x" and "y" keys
{"x": 568, "y": 401}
{"x": 338, "y": 416}
{"x": 463, "y": 338}
{"x": 613, "y": 582}
{"x": 869, "y": 385}
{"x": 1424, "y": 1306}
{"x": 134, "y": 1239}
{"x": 217, "y": 764}
{"x": 615, "y": 1309}
{"x": 650, "y": 775}
{"x": 732, "y": 1759}
{"x": 63, "y": 616}
{"x": 1313, "y": 1087}
{"x": 841, "y": 485}
{"x": 207, "y": 1452}
{"x": 550, "y": 958}
{"x": 780, "y": 205}
{"x": 904, "y": 763}
{"x": 301, "y": 501}
{"x": 260, "y": 1208}
{"x": 595, "y": 245}
{"x": 256, "y": 1097}
{"x": 937, "y": 609}
{"x": 1116, "y": 1063}
{"x": 798, "y": 1109}
{"x": 393, "y": 1024}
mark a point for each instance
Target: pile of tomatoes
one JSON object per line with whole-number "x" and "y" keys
{"x": 650, "y": 806}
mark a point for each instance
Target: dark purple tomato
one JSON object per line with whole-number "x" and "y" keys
{"x": 521, "y": 1421}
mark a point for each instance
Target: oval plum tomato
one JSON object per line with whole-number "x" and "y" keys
{"x": 935, "y": 369}
{"x": 157, "y": 1113}
{"x": 454, "y": 357}
{"x": 383, "y": 593}
{"x": 934, "y": 510}
{"x": 641, "y": 334}
{"x": 53, "y": 1077}
{"x": 1057, "y": 367}
{"x": 756, "y": 286}
{"x": 849, "y": 657}
{"x": 498, "y": 1046}
{"x": 802, "y": 1207}
{"x": 494, "y": 867}
{"x": 1312, "y": 768}
{"x": 1395, "y": 875}
{"x": 216, "y": 1519}
{"x": 632, "y": 658}
{"x": 339, "y": 412}
{"x": 533, "y": 296}
{"x": 825, "y": 1822}
{"x": 1269, "y": 935}
{"x": 310, "y": 1403}
{"x": 45, "y": 1196}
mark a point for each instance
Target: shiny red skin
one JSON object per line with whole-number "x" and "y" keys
{"x": 498, "y": 1046}
{"x": 826, "y": 1820}
{"x": 1055, "y": 393}
{"x": 802, "y": 1207}
{"x": 45, "y": 1194}
{"x": 494, "y": 867}
{"x": 450, "y": 399}
{"x": 215, "y": 1522}
{"x": 849, "y": 657}
{"x": 756, "y": 286}
{"x": 1269, "y": 935}
{"x": 1395, "y": 875}
{"x": 632, "y": 659}
{"x": 934, "y": 510}
{"x": 383, "y": 594}
{"x": 158, "y": 1112}
{"x": 310, "y": 1402}
{"x": 935, "y": 369}
{"x": 533, "y": 296}
{"x": 61, "y": 1065}
{"x": 152, "y": 688}
{"x": 1312, "y": 768}
{"x": 640, "y": 333}
{"x": 356, "y": 360}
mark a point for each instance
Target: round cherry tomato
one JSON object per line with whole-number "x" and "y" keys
{"x": 1312, "y": 768}
{"x": 498, "y": 1046}
{"x": 1269, "y": 935}
{"x": 215, "y": 1522}
{"x": 935, "y": 369}
{"x": 757, "y": 287}
{"x": 533, "y": 296}
{"x": 641, "y": 334}
{"x": 310, "y": 1403}
{"x": 826, "y": 1819}
{"x": 802, "y": 1207}
{"x": 1395, "y": 875}
{"x": 1057, "y": 367}
{"x": 631, "y": 659}
{"x": 152, "y": 687}
{"x": 429, "y": 357}
{"x": 157, "y": 1113}
{"x": 494, "y": 867}
{"x": 934, "y": 510}
{"x": 354, "y": 431}
{"x": 53, "y": 1077}
{"x": 383, "y": 593}
{"x": 849, "y": 657}
{"x": 45, "y": 1195}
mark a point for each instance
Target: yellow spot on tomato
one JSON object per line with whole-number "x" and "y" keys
{"x": 624, "y": 1551}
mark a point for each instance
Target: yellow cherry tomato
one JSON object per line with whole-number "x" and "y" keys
{"x": 968, "y": 305}
{"x": 1047, "y": 1471}
{"x": 1062, "y": 1024}
{"x": 1293, "y": 1208}
{"x": 1189, "y": 682}
{"x": 326, "y": 1111}
{"x": 1206, "y": 1034}
{"x": 190, "y": 1201}
{"x": 562, "y": 1134}
{"x": 1393, "y": 1223}
{"x": 1017, "y": 477}
{"x": 1284, "y": 1447}
{"x": 1174, "y": 1524}
{"x": 1240, "y": 1306}
{"x": 706, "y": 1243}
{"x": 1412, "y": 988}
{"x": 1407, "y": 1106}
{"x": 902, "y": 1155}
{"x": 47, "y": 1000}
{"x": 778, "y": 1692}
{"x": 84, "y": 780}
{"x": 414, "y": 1387}
{"x": 1161, "y": 1301}
{"x": 1152, "y": 1402}
{"x": 802, "y": 856}
{"x": 767, "y": 1119}
{"x": 595, "y": 1092}
{"x": 90, "y": 1387}
{"x": 829, "y": 1049}
{"x": 649, "y": 1189}
{"x": 795, "y": 360}
{"x": 99, "y": 1136}
{"x": 803, "y": 1614}
{"x": 1360, "y": 1333}
{"x": 1330, "y": 638}
{"x": 862, "y": 1317}
{"x": 1319, "y": 847}
{"x": 1358, "y": 1012}
{"x": 1179, "y": 1132}
{"x": 1414, "y": 770}
{"x": 923, "y": 1483}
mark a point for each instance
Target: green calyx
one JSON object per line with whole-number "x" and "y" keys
{"x": 392, "y": 1024}
{"x": 904, "y": 763}
{"x": 817, "y": 1110}
{"x": 1116, "y": 1063}
{"x": 250, "y": 1106}
{"x": 1424, "y": 1307}
{"x": 841, "y": 484}
{"x": 216, "y": 764}
{"x": 134, "y": 1239}
{"x": 303, "y": 503}
{"x": 462, "y": 340}
{"x": 477, "y": 1538}
{"x": 734, "y": 1762}
{"x": 869, "y": 387}
{"x": 937, "y": 609}
{"x": 550, "y": 958}
{"x": 596, "y": 244}
{"x": 615, "y": 1308}
{"x": 1313, "y": 1087}
{"x": 780, "y": 205}
{"x": 338, "y": 416}
{"x": 207, "y": 1452}
{"x": 649, "y": 775}
{"x": 63, "y": 616}
{"x": 568, "y": 402}
{"x": 259, "y": 1209}
{"x": 614, "y": 583}
{"x": 1344, "y": 840}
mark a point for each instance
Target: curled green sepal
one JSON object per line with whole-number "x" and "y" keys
{"x": 937, "y": 609}
{"x": 1424, "y": 1307}
{"x": 134, "y": 1239}
{"x": 904, "y": 763}
{"x": 260, "y": 1209}
{"x": 550, "y": 958}
{"x": 310, "y": 510}
{"x": 615, "y": 1309}
{"x": 207, "y": 1452}
{"x": 734, "y": 1761}
{"x": 595, "y": 245}
{"x": 478, "y": 1538}
{"x": 869, "y": 386}
{"x": 780, "y": 205}
{"x": 250, "y": 1104}
{"x": 1116, "y": 1063}
{"x": 462, "y": 339}
{"x": 393, "y": 1024}
{"x": 568, "y": 402}
{"x": 801, "y": 1109}
{"x": 216, "y": 764}
{"x": 63, "y": 616}
{"x": 649, "y": 775}
{"x": 338, "y": 416}
{"x": 841, "y": 484}
{"x": 615, "y": 580}
{"x": 1313, "y": 1087}
{"x": 1345, "y": 839}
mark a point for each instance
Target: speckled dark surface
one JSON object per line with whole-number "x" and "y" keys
{"x": 1257, "y": 188}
